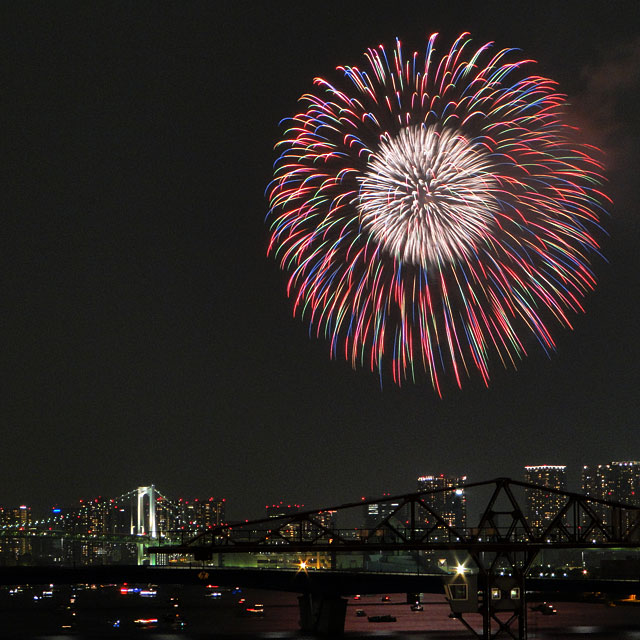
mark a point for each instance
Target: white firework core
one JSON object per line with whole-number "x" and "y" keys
{"x": 428, "y": 196}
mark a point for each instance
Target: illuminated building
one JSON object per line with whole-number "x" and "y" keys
{"x": 94, "y": 521}
{"x": 166, "y": 516}
{"x": 93, "y": 516}
{"x": 616, "y": 481}
{"x": 327, "y": 519}
{"x": 451, "y": 505}
{"x": 199, "y": 514}
{"x": 625, "y": 481}
{"x": 542, "y": 505}
{"x": 103, "y": 530}
{"x": 284, "y": 509}
{"x": 595, "y": 484}
{"x": 375, "y": 512}
{"x": 18, "y": 519}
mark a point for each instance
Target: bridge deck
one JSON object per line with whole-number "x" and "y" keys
{"x": 338, "y": 582}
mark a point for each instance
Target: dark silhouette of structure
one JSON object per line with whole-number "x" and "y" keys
{"x": 499, "y": 551}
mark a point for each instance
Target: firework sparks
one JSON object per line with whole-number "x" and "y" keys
{"x": 434, "y": 213}
{"x": 427, "y": 196}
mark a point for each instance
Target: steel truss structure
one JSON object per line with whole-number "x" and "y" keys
{"x": 502, "y": 540}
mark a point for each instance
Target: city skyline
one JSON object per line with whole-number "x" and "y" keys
{"x": 146, "y": 335}
{"x": 107, "y": 531}
{"x": 617, "y": 480}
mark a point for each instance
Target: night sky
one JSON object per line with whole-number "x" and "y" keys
{"x": 146, "y": 337}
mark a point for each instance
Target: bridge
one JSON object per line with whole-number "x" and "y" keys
{"x": 485, "y": 569}
{"x": 130, "y": 520}
{"x": 415, "y": 546}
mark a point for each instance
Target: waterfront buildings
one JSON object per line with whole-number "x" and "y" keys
{"x": 197, "y": 514}
{"x": 375, "y": 512}
{"x": 326, "y": 519}
{"x": 617, "y": 481}
{"x": 542, "y": 506}
{"x": 17, "y": 519}
{"x": 102, "y": 530}
{"x": 448, "y": 497}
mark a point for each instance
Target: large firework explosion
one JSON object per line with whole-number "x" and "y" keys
{"x": 435, "y": 211}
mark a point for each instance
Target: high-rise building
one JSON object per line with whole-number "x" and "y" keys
{"x": 17, "y": 519}
{"x": 375, "y": 512}
{"x": 625, "y": 481}
{"x": 94, "y": 516}
{"x": 448, "y": 500}
{"x": 199, "y": 514}
{"x": 286, "y": 509}
{"x": 543, "y": 506}
{"x": 167, "y": 514}
{"x": 616, "y": 481}
{"x": 326, "y": 519}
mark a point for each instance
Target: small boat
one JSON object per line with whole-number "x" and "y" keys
{"x": 385, "y": 618}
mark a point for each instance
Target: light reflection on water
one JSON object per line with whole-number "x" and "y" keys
{"x": 572, "y": 633}
{"x": 220, "y": 618}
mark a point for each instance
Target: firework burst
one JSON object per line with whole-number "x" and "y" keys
{"x": 435, "y": 212}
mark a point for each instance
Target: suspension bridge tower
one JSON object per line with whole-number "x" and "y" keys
{"x": 143, "y": 519}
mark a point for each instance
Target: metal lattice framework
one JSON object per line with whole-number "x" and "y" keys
{"x": 504, "y": 538}
{"x": 414, "y": 523}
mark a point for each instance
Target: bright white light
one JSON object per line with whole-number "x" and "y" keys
{"x": 460, "y": 569}
{"x": 428, "y": 196}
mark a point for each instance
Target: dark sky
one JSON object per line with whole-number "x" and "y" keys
{"x": 145, "y": 337}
